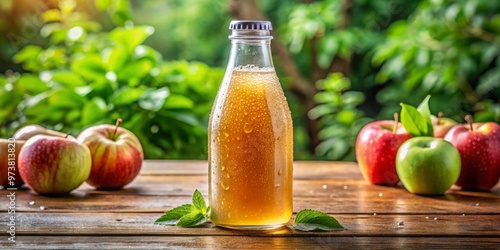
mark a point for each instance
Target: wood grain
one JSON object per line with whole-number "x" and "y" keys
{"x": 357, "y": 225}
{"x": 185, "y": 185}
{"x": 249, "y": 242}
{"x": 302, "y": 169}
{"x": 160, "y": 193}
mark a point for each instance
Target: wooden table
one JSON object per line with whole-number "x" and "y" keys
{"x": 90, "y": 219}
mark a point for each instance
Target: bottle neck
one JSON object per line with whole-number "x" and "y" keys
{"x": 250, "y": 47}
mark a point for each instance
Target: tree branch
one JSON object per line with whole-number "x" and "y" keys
{"x": 340, "y": 64}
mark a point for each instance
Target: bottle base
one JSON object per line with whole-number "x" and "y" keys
{"x": 252, "y": 227}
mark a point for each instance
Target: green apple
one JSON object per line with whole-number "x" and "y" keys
{"x": 427, "y": 165}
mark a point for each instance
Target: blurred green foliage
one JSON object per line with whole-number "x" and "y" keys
{"x": 449, "y": 49}
{"x": 320, "y": 42}
{"x": 87, "y": 77}
{"x": 89, "y": 70}
{"x": 398, "y": 51}
{"x": 342, "y": 120}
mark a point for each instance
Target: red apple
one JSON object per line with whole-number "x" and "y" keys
{"x": 479, "y": 148}
{"x": 9, "y": 152}
{"x": 442, "y": 125}
{"x": 54, "y": 165}
{"x": 116, "y": 155}
{"x": 376, "y": 148}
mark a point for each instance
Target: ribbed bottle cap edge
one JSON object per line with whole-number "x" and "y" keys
{"x": 250, "y": 25}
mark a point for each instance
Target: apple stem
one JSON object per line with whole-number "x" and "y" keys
{"x": 440, "y": 116}
{"x": 67, "y": 134}
{"x": 396, "y": 123}
{"x": 117, "y": 124}
{"x": 468, "y": 119}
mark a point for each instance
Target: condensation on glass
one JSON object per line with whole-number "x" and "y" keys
{"x": 250, "y": 137}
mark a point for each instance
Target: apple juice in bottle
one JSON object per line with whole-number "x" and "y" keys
{"x": 250, "y": 137}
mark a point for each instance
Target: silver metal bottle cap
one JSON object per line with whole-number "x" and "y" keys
{"x": 250, "y": 25}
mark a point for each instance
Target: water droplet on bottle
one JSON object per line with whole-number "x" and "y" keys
{"x": 228, "y": 176}
{"x": 426, "y": 217}
{"x": 222, "y": 168}
{"x": 463, "y": 214}
{"x": 31, "y": 203}
{"x": 279, "y": 171}
{"x": 374, "y": 214}
{"x": 224, "y": 186}
{"x": 380, "y": 194}
{"x": 345, "y": 187}
{"x": 277, "y": 185}
{"x": 42, "y": 208}
{"x": 247, "y": 128}
{"x": 325, "y": 186}
{"x": 477, "y": 204}
{"x": 226, "y": 134}
{"x": 435, "y": 218}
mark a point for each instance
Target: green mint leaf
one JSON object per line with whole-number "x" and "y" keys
{"x": 192, "y": 220}
{"x": 187, "y": 215}
{"x": 413, "y": 121}
{"x": 423, "y": 107}
{"x": 424, "y": 110}
{"x": 312, "y": 220}
{"x": 199, "y": 201}
{"x": 173, "y": 216}
{"x": 209, "y": 210}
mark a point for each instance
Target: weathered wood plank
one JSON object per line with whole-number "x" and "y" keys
{"x": 185, "y": 185}
{"x": 450, "y": 204}
{"x": 317, "y": 170}
{"x": 248, "y": 242}
{"x": 358, "y": 225}
{"x": 159, "y": 193}
{"x": 113, "y": 220}
{"x": 302, "y": 169}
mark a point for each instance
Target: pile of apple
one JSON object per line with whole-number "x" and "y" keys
{"x": 53, "y": 163}
{"x": 429, "y": 154}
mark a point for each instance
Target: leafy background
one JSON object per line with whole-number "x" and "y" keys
{"x": 157, "y": 64}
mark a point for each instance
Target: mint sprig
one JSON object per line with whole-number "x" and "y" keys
{"x": 312, "y": 220}
{"x": 187, "y": 215}
{"x": 417, "y": 121}
{"x": 196, "y": 214}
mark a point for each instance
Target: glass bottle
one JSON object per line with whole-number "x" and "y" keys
{"x": 250, "y": 137}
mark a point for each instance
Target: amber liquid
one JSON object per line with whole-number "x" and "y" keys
{"x": 251, "y": 152}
